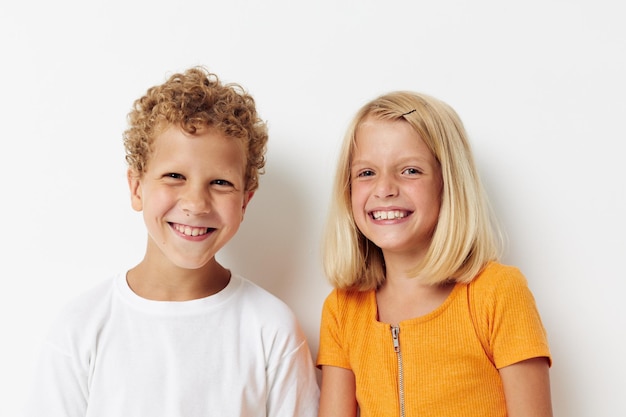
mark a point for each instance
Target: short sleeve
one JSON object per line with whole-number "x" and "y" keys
{"x": 293, "y": 385}
{"x": 332, "y": 349}
{"x": 508, "y": 319}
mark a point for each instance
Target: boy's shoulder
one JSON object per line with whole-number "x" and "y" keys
{"x": 84, "y": 313}
{"x": 258, "y": 301}
{"x": 90, "y": 300}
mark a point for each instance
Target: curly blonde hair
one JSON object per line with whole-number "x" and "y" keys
{"x": 194, "y": 100}
{"x": 467, "y": 236}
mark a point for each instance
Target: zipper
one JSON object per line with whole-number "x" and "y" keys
{"x": 395, "y": 334}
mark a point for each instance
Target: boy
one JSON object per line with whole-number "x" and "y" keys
{"x": 178, "y": 334}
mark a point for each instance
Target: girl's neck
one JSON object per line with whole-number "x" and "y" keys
{"x": 404, "y": 298}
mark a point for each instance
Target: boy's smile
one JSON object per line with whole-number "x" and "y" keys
{"x": 192, "y": 195}
{"x": 190, "y": 231}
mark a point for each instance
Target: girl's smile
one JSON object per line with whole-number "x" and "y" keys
{"x": 389, "y": 214}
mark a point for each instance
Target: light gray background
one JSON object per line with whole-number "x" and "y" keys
{"x": 539, "y": 84}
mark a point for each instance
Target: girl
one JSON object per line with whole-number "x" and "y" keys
{"x": 423, "y": 320}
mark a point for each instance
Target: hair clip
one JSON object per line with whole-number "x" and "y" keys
{"x": 409, "y": 112}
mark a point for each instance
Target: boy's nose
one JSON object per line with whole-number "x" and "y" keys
{"x": 195, "y": 201}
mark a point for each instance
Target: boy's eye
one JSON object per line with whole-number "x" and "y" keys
{"x": 224, "y": 183}
{"x": 174, "y": 175}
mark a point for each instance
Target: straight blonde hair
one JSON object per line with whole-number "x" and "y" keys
{"x": 466, "y": 237}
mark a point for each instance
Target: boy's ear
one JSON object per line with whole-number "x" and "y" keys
{"x": 134, "y": 184}
{"x": 246, "y": 199}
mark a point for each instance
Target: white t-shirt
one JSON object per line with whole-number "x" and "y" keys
{"x": 239, "y": 352}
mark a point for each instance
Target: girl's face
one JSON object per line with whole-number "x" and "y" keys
{"x": 396, "y": 188}
{"x": 192, "y": 195}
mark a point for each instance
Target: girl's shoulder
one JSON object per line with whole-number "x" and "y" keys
{"x": 345, "y": 300}
{"x": 497, "y": 277}
{"x": 498, "y": 288}
{"x": 349, "y": 295}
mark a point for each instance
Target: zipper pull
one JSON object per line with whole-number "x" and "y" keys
{"x": 395, "y": 334}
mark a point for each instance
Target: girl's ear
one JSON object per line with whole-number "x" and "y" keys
{"x": 134, "y": 184}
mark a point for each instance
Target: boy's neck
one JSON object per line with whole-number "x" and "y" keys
{"x": 177, "y": 284}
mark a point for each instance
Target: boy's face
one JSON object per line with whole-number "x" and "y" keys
{"x": 192, "y": 195}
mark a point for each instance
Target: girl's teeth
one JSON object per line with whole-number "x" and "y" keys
{"x": 388, "y": 215}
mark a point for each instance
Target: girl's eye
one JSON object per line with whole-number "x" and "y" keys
{"x": 412, "y": 171}
{"x": 365, "y": 173}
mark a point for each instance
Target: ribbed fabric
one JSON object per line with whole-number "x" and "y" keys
{"x": 450, "y": 366}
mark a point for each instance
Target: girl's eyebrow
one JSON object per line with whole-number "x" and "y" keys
{"x": 401, "y": 161}
{"x": 358, "y": 162}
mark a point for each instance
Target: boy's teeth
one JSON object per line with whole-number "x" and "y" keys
{"x": 191, "y": 231}
{"x": 388, "y": 215}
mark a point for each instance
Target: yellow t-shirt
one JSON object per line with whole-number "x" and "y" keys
{"x": 449, "y": 365}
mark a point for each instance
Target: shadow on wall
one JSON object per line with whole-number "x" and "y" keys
{"x": 514, "y": 216}
{"x": 269, "y": 247}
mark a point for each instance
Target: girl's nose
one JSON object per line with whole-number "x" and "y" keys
{"x": 386, "y": 187}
